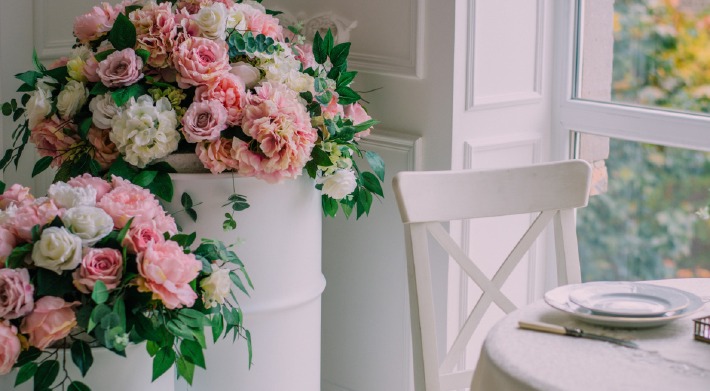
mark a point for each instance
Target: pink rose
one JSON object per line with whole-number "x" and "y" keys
{"x": 121, "y": 68}
{"x": 140, "y": 235}
{"x": 54, "y": 138}
{"x": 58, "y": 63}
{"x": 204, "y": 120}
{"x": 200, "y": 61}
{"x": 29, "y": 215}
{"x": 91, "y": 67}
{"x": 217, "y": 155}
{"x": 281, "y": 126}
{"x": 105, "y": 151}
{"x": 98, "y": 264}
{"x": 167, "y": 272}
{"x": 10, "y": 347}
{"x": 230, "y": 91}
{"x": 127, "y": 201}
{"x": 87, "y": 180}
{"x": 16, "y": 195}
{"x": 333, "y": 109}
{"x": 304, "y": 54}
{"x": 15, "y": 293}
{"x": 358, "y": 115}
{"x": 7, "y": 244}
{"x": 51, "y": 320}
{"x": 96, "y": 23}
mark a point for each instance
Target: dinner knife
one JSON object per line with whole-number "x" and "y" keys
{"x": 561, "y": 330}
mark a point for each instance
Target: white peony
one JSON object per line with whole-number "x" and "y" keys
{"x": 212, "y": 21}
{"x": 339, "y": 185}
{"x": 216, "y": 287}
{"x": 71, "y": 99}
{"x": 89, "y": 223}
{"x": 249, "y": 74}
{"x": 284, "y": 68}
{"x": 144, "y": 132}
{"x": 38, "y": 107}
{"x": 66, "y": 196}
{"x": 103, "y": 108}
{"x": 57, "y": 249}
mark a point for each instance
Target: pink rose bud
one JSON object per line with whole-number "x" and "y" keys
{"x": 51, "y": 320}
{"x": 99, "y": 264}
{"x": 121, "y": 68}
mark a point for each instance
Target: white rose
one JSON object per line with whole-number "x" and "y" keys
{"x": 144, "y": 132}
{"x": 66, "y": 196}
{"x": 212, "y": 21}
{"x": 339, "y": 185}
{"x": 103, "y": 108}
{"x": 89, "y": 223}
{"x": 216, "y": 287}
{"x": 236, "y": 18}
{"x": 47, "y": 83}
{"x": 57, "y": 250}
{"x": 71, "y": 99}
{"x": 250, "y": 75}
{"x": 38, "y": 107}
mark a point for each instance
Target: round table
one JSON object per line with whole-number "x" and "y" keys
{"x": 668, "y": 357}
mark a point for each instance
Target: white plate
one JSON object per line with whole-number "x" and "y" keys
{"x": 623, "y": 298}
{"x": 558, "y": 298}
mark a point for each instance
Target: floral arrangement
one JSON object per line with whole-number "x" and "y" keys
{"x": 220, "y": 79}
{"x": 101, "y": 263}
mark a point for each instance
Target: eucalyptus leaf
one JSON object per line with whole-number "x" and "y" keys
{"x": 376, "y": 163}
{"x": 100, "y": 293}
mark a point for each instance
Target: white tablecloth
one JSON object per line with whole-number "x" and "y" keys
{"x": 668, "y": 359}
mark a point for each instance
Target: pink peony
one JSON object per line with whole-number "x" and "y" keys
{"x": 87, "y": 180}
{"x": 105, "y": 151}
{"x": 96, "y": 23}
{"x": 51, "y": 320}
{"x": 200, "y": 61}
{"x": 127, "y": 201}
{"x": 261, "y": 23}
{"x": 193, "y": 6}
{"x": 121, "y": 68}
{"x": 165, "y": 223}
{"x": 204, "y": 121}
{"x": 167, "y": 272}
{"x": 15, "y": 293}
{"x": 280, "y": 124}
{"x": 333, "y": 109}
{"x": 29, "y": 215}
{"x": 98, "y": 264}
{"x": 156, "y": 30}
{"x": 54, "y": 138}
{"x": 228, "y": 90}
{"x": 10, "y": 347}
{"x": 140, "y": 235}
{"x": 358, "y": 115}
{"x": 7, "y": 244}
{"x": 217, "y": 155}
{"x": 16, "y": 195}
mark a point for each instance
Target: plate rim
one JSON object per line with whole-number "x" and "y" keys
{"x": 626, "y": 284}
{"x": 617, "y": 321}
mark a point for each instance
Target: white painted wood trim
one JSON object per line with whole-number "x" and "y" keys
{"x": 474, "y": 103}
{"x": 397, "y": 141}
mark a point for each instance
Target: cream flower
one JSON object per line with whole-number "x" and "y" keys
{"x": 71, "y": 99}
{"x": 89, "y": 223}
{"x": 67, "y": 196}
{"x": 38, "y": 107}
{"x": 339, "y": 185}
{"x": 57, "y": 250}
{"x": 216, "y": 287}
{"x": 212, "y": 21}
{"x": 103, "y": 108}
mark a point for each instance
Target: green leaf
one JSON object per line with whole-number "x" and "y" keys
{"x": 240, "y": 206}
{"x": 162, "y": 186}
{"x": 192, "y": 351}
{"x": 100, "y": 293}
{"x": 339, "y": 55}
{"x": 319, "y": 49}
{"x": 78, "y": 386}
{"x": 50, "y": 283}
{"x": 328, "y": 42}
{"x": 6, "y": 109}
{"x": 2, "y": 187}
{"x": 29, "y": 77}
{"x": 362, "y": 126}
{"x": 347, "y": 95}
{"x": 217, "y": 323}
{"x": 320, "y": 157}
{"x": 143, "y": 54}
{"x": 179, "y": 329}
{"x": 99, "y": 312}
{"x": 124, "y": 231}
{"x": 46, "y": 374}
{"x": 152, "y": 348}
{"x": 372, "y": 183}
{"x": 123, "y": 33}
{"x": 123, "y": 95}
{"x": 17, "y": 256}
{"x": 346, "y": 78}
{"x": 144, "y": 178}
{"x": 192, "y": 214}
{"x": 163, "y": 360}
{"x": 186, "y": 201}
{"x": 27, "y": 356}
{"x": 102, "y": 55}
{"x": 364, "y": 201}
{"x": 81, "y": 356}
{"x": 25, "y": 373}
{"x": 376, "y": 163}
{"x": 185, "y": 369}
{"x": 35, "y": 60}
{"x": 122, "y": 169}
{"x": 84, "y": 127}
{"x": 330, "y": 206}
{"x": 41, "y": 165}
{"x": 247, "y": 335}
{"x": 119, "y": 308}
{"x": 58, "y": 73}
{"x": 325, "y": 98}
{"x": 320, "y": 84}
{"x": 238, "y": 282}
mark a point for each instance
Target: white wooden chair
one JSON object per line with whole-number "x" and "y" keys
{"x": 426, "y": 199}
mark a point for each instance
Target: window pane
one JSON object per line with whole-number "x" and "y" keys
{"x": 646, "y": 52}
{"x": 645, "y": 226}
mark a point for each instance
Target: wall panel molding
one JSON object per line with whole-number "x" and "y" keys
{"x": 397, "y": 142}
{"x": 524, "y": 96}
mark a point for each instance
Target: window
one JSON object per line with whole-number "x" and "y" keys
{"x": 633, "y": 100}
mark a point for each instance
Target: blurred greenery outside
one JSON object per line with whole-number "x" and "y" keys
{"x": 645, "y": 226}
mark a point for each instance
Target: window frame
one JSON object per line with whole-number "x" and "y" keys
{"x": 617, "y": 120}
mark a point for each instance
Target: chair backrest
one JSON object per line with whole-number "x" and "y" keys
{"x": 428, "y": 198}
